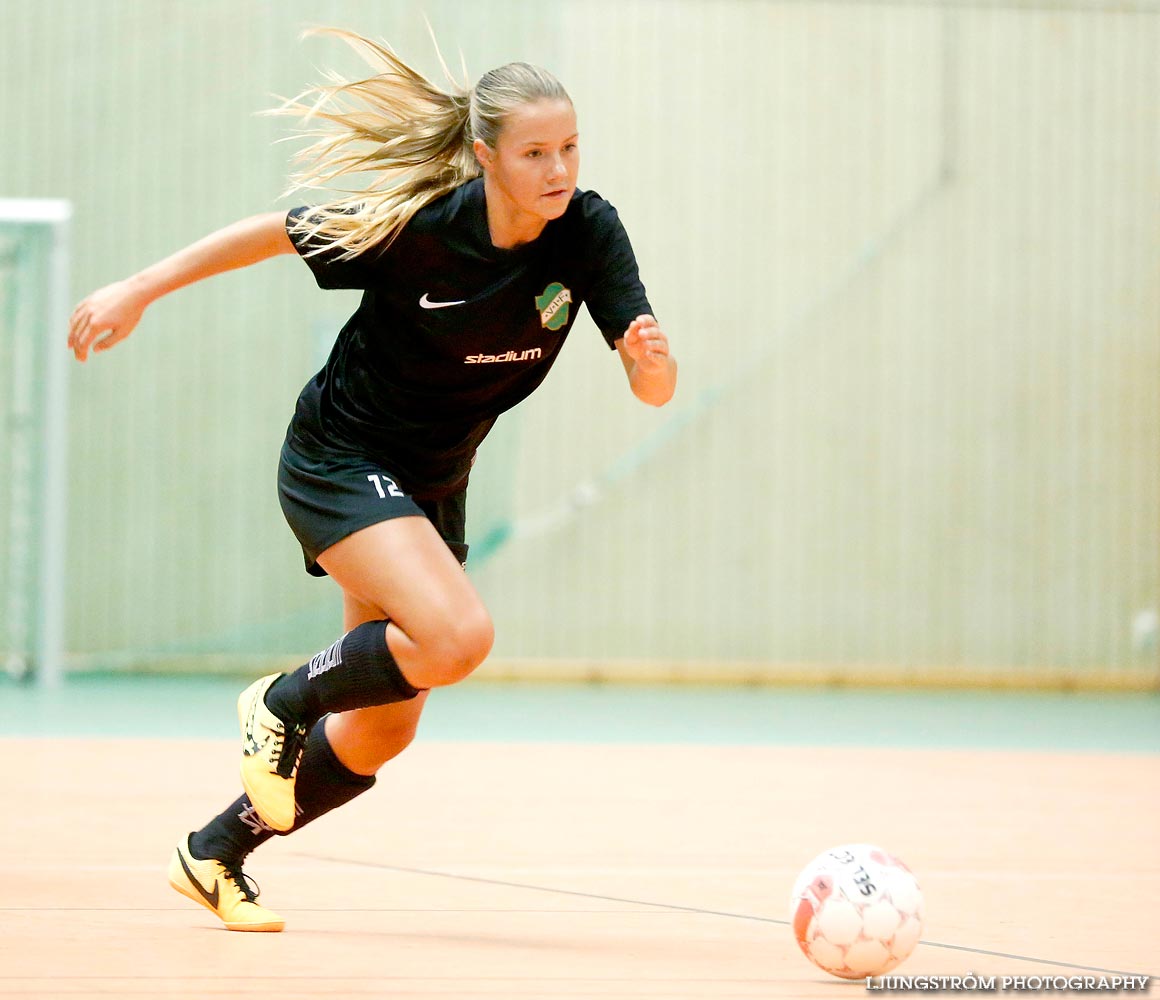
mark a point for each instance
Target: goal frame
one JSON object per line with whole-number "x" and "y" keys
{"x": 50, "y": 325}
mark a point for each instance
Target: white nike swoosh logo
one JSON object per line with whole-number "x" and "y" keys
{"x": 426, "y": 303}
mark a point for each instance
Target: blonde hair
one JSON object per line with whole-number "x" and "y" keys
{"x": 412, "y": 140}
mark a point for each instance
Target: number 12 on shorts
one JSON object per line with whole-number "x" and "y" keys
{"x": 386, "y": 487}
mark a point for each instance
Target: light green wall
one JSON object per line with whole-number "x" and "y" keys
{"x": 907, "y": 256}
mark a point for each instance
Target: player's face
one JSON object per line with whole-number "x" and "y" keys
{"x": 534, "y": 166}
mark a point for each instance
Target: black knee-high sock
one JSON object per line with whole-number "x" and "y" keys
{"x": 324, "y": 783}
{"x": 358, "y": 671}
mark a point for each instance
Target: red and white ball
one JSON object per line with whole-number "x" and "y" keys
{"x": 856, "y": 911}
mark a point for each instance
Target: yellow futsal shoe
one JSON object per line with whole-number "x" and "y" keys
{"x": 271, "y": 752}
{"x": 225, "y": 891}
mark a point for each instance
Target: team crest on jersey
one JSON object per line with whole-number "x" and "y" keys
{"x": 553, "y": 306}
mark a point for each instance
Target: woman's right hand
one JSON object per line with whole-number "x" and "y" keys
{"x": 104, "y": 318}
{"x": 108, "y": 315}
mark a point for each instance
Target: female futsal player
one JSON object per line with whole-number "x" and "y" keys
{"x": 474, "y": 250}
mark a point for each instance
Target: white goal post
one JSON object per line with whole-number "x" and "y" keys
{"x": 34, "y": 399}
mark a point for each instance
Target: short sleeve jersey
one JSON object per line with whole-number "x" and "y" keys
{"x": 451, "y": 331}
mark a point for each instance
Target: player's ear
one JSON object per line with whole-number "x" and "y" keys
{"x": 483, "y": 154}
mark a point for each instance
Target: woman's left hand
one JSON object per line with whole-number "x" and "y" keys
{"x": 647, "y": 345}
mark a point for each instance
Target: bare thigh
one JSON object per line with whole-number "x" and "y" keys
{"x": 439, "y": 630}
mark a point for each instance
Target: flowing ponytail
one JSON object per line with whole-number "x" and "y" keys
{"x": 409, "y": 140}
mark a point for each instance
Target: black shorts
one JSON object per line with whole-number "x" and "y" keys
{"x": 326, "y": 499}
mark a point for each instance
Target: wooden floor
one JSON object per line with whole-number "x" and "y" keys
{"x": 546, "y": 870}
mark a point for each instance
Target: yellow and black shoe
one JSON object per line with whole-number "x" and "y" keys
{"x": 271, "y": 752}
{"x": 228, "y": 892}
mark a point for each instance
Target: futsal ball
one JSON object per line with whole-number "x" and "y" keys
{"x": 856, "y": 911}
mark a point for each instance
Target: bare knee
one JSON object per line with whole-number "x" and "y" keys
{"x": 450, "y": 652}
{"x": 366, "y": 738}
{"x": 459, "y": 647}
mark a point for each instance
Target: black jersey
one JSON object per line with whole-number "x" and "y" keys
{"x": 451, "y": 330}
